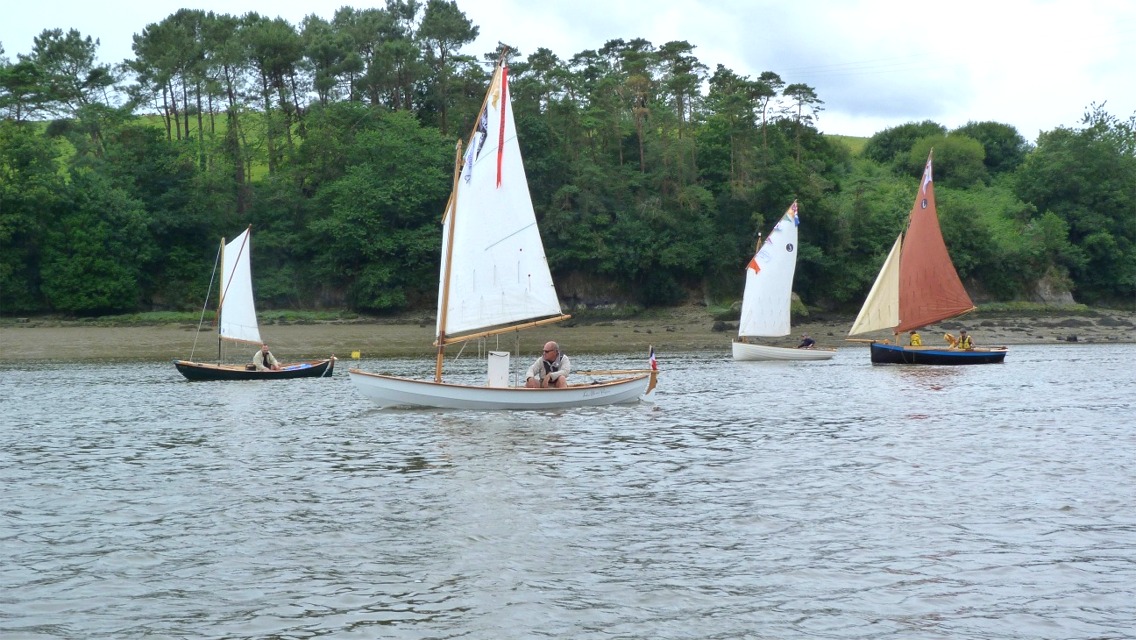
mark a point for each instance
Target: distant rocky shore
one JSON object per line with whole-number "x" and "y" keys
{"x": 1108, "y": 326}
{"x": 687, "y": 328}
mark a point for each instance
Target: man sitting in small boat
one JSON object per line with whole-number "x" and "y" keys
{"x": 263, "y": 360}
{"x": 806, "y": 342}
{"x": 914, "y": 340}
{"x": 549, "y": 370}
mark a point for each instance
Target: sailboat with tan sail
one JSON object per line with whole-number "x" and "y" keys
{"x": 919, "y": 286}
{"x": 494, "y": 279}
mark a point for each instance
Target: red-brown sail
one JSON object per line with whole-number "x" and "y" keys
{"x": 929, "y": 286}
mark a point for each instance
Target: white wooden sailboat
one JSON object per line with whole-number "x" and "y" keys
{"x": 494, "y": 278}
{"x": 918, "y": 286}
{"x": 236, "y": 322}
{"x": 768, "y": 296}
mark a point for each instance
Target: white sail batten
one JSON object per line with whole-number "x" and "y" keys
{"x": 769, "y": 281}
{"x": 236, "y": 309}
{"x": 881, "y": 307}
{"x": 499, "y": 274}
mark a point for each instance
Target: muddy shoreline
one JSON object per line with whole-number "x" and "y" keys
{"x": 685, "y": 329}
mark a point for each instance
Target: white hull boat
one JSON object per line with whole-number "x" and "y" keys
{"x": 494, "y": 279}
{"x": 748, "y": 351}
{"x": 392, "y": 391}
{"x": 768, "y": 296}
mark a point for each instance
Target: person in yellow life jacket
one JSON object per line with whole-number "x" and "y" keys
{"x": 914, "y": 340}
{"x": 964, "y": 341}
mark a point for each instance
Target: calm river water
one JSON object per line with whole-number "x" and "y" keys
{"x": 818, "y": 500}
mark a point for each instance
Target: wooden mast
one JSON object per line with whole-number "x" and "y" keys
{"x": 451, "y": 212}
{"x": 220, "y": 299}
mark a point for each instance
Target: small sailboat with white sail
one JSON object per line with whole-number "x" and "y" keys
{"x": 917, "y": 286}
{"x": 494, "y": 279}
{"x": 768, "y": 296}
{"x": 236, "y": 322}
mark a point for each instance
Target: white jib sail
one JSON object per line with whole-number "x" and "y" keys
{"x": 881, "y": 307}
{"x": 769, "y": 286}
{"x": 238, "y": 314}
{"x": 499, "y": 275}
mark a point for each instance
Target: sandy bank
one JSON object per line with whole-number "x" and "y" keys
{"x": 685, "y": 329}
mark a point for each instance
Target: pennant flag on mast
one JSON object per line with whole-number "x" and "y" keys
{"x": 753, "y": 261}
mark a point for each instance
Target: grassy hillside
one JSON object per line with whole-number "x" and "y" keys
{"x": 854, "y": 144}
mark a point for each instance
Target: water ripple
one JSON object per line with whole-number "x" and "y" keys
{"x": 829, "y": 500}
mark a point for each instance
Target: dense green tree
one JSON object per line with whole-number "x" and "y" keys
{"x": 767, "y": 87}
{"x": 391, "y": 61}
{"x": 20, "y": 87}
{"x": 804, "y": 107}
{"x": 275, "y": 51}
{"x": 958, "y": 160}
{"x": 646, "y": 185}
{"x": 1086, "y": 177}
{"x": 445, "y": 29}
{"x": 894, "y": 143}
{"x": 1001, "y": 247}
{"x": 729, "y": 128}
{"x": 227, "y": 51}
{"x": 31, "y": 189}
{"x": 68, "y": 75}
{"x": 331, "y": 59}
{"x": 94, "y": 256}
{"x": 179, "y": 226}
{"x": 1004, "y": 147}
{"x": 380, "y": 236}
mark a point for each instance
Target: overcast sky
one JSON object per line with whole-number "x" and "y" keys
{"x": 1033, "y": 64}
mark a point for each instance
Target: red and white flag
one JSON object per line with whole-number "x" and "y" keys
{"x": 501, "y": 128}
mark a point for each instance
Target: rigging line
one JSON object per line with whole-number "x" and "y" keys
{"x": 821, "y": 71}
{"x": 851, "y": 63}
{"x": 882, "y": 64}
{"x": 510, "y": 236}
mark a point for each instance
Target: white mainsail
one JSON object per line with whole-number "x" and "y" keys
{"x": 769, "y": 281}
{"x": 881, "y": 307}
{"x": 498, "y": 273}
{"x": 236, "y": 309}
{"x": 494, "y": 277}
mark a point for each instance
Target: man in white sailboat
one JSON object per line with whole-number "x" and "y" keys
{"x": 549, "y": 370}
{"x": 263, "y": 360}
